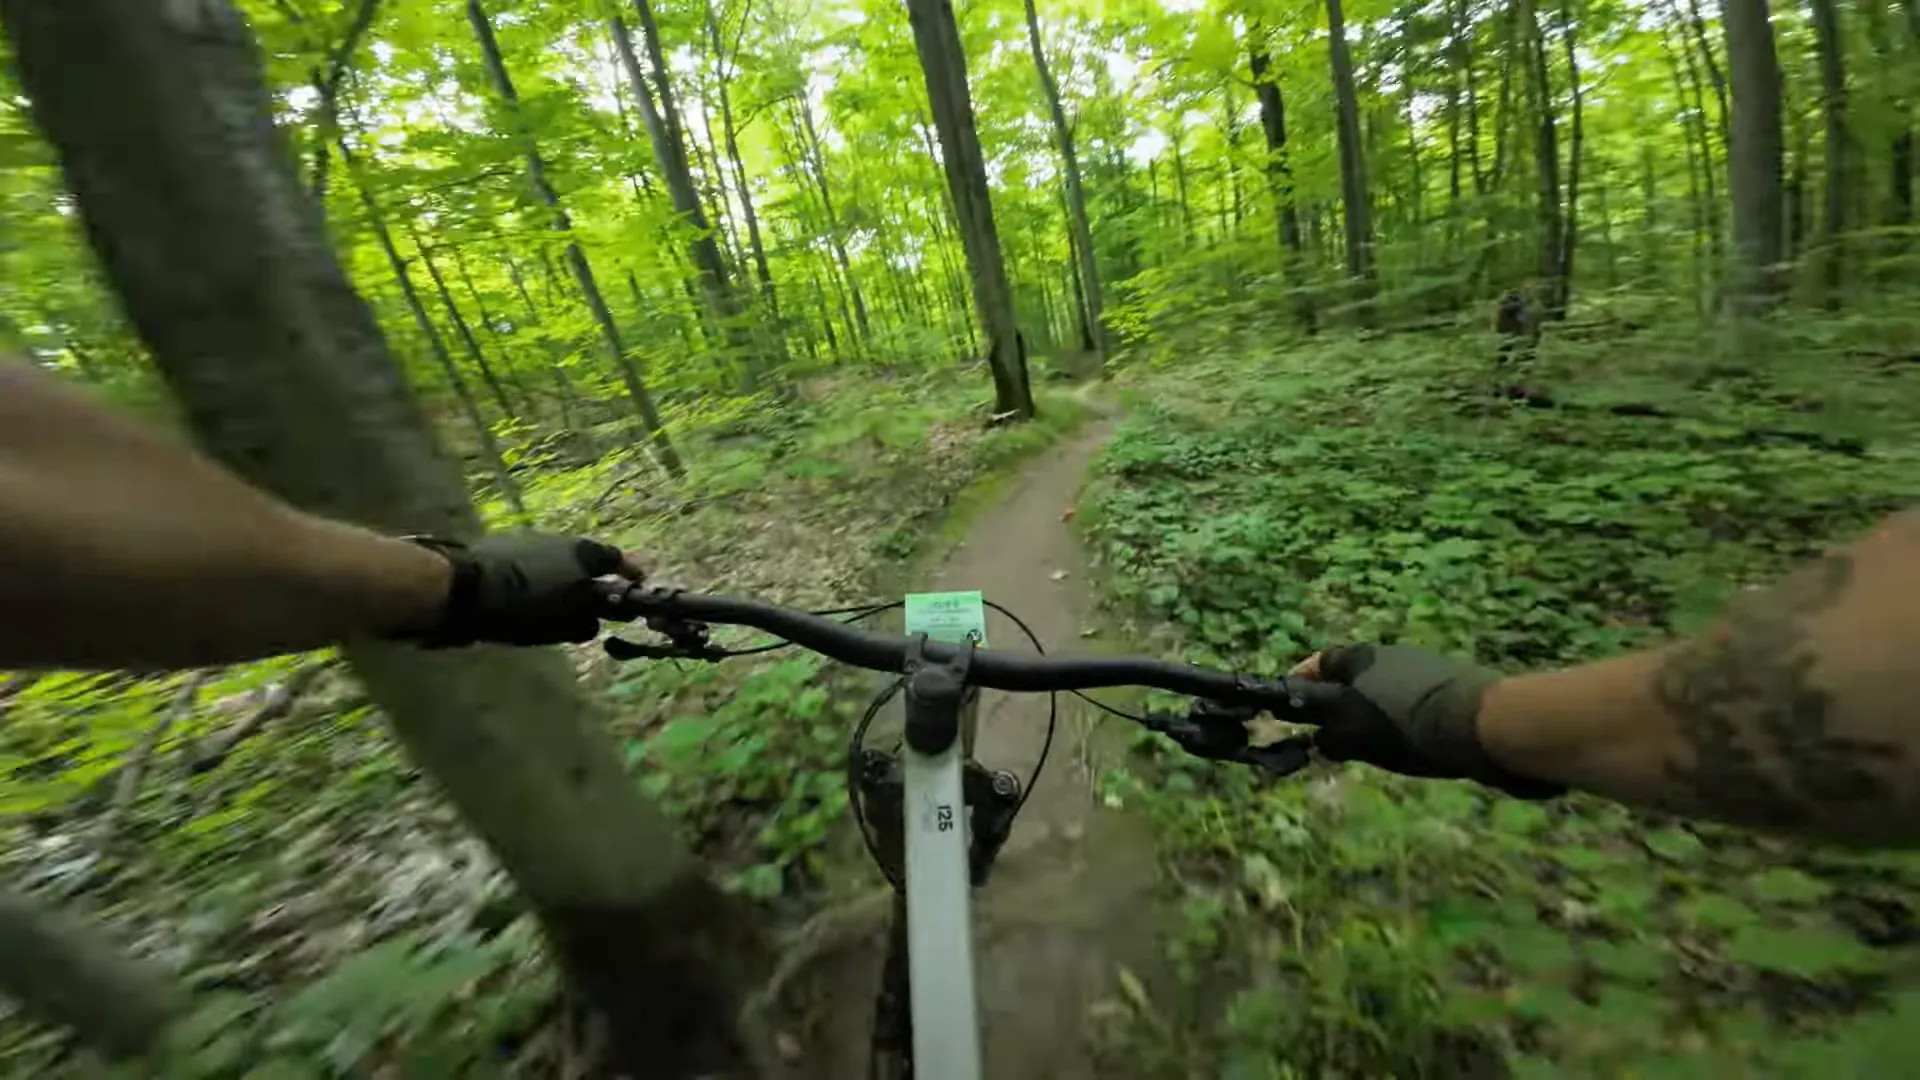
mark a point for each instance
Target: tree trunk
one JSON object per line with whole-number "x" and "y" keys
{"x": 1753, "y": 74}
{"x": 662, "y": 119}
{"x": 1546, "y": 164}
{"x": 1570, "y": 233}
{"x": 469, "y": 405}
{"x": 1081, "y": 232}
{"x": 1833, "y": 110}
{"x": 63, "y": 971}
{"x": 1652, "y": 247}
{"x": 1180, "y": 189}
{"x": 817, "y": 162}
{"x": 1232, "y": 129}
{"x": 1796, "y": 193}
{"x": 944, "y": 64}
{"x": 472, "y": 344}
{"x": 1698, "y": 209}
{"x": 556, "y": 352}
{"x": 493, "y": 331}
{"x": 1077, "y": 289}
{"x": 1456, "y": 69}
{"x": 1273, "y": 124}
{"x": 706, "y": 163}
{"x": 1416, "y": 209}
{"x": 763, "y": 272}
{"x": 576, "y": 257}
{"x": 1608, "y": 256}
{"x": 1353, "y": 165}
{"x": 162, "y": 119}
{"x": 1707, "y": 156}
{"x": 1698, "y": 26}
{"x": 1900, "y": 175}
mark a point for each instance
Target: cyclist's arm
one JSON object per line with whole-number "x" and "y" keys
{"x": 122, "y": 548}
{"x": 1799, "y": 710}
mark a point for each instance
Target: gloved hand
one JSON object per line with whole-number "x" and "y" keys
{"x": 1414, "y": 712}
{"x": 523, "y": 588}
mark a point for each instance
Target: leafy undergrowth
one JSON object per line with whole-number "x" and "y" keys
{"x": 330, "y": 910}
{"x": 1353, "y": 924}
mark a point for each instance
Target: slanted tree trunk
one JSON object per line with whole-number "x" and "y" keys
{"x": 556, "y": 353}
{"x": 763, "y": 272}
{"x": 654, "y": 94}
{"x": 327, "y": 81}
{"x": 1753, "y": 75}
{"x": 472, "y": 344}
{"x": 577, "y": 263}
{"x": 817, "y": 163}
{"x": 1358, "y": 216}
{"x": 161, "y": 116}
{"x": 462, "y": 393}
{"x": 944, "y": 64}
{"x": 1833, "y": 110}
{"x": 1077, "y": 226}
{"x": 1273, "y": 124}
{"x": 62, "y": 971}
{"x": 512, "y": 378}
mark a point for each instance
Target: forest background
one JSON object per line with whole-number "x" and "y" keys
{"x": 761, "y": 288}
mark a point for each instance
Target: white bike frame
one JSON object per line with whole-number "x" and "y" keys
{"x": 946, "y": 1021}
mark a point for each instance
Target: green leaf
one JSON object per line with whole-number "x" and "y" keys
{"x": 1786, "y": 885}
{"x": 1674, "y": 845}
{"x": 1806, "y": 951}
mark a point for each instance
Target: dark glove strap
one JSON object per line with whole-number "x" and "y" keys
{"x": 453, "y": 626}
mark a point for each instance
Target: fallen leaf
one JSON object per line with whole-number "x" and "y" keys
{"x": 1135, "y": 993}
{"x": 1069, "y": 515}
{"x": 1089, "y": 631}
{"x": 1058, "y": 575}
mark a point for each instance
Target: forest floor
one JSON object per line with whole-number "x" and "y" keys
{"x": 1070, "y": 904}
{"x": 1263, "y": 497}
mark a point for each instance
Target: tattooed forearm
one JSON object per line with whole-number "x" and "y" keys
{"x": 1758, "y": 723}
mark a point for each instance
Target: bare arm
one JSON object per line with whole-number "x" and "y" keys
{"x": 122, "y": 548}
{"x": 1799, "y": 710}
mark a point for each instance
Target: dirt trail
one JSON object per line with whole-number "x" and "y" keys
{"x": 1070, "y": 899}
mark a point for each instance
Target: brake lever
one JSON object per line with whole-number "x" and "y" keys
{"x": 686, "y": 640}
{"x": 622, "y": 649}
{"x": 1218, "y": 732}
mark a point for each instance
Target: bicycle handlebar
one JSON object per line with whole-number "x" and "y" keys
{"x": 996, "y": 669}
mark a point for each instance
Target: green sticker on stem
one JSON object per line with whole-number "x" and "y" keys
{"x": 948, "y": 616}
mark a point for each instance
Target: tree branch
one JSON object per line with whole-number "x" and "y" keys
{"x": 126, "y": 787}
{"x": 341, "y": 59}
{"x": 280, "y": 701}
{"x": 327, "y": 85}
{"x": 747, "y": 115}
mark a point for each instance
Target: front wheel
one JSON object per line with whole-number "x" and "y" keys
{"x": 891, "y": 1054}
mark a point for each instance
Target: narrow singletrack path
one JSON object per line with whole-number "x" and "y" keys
{"x": 1070, "y": 902}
